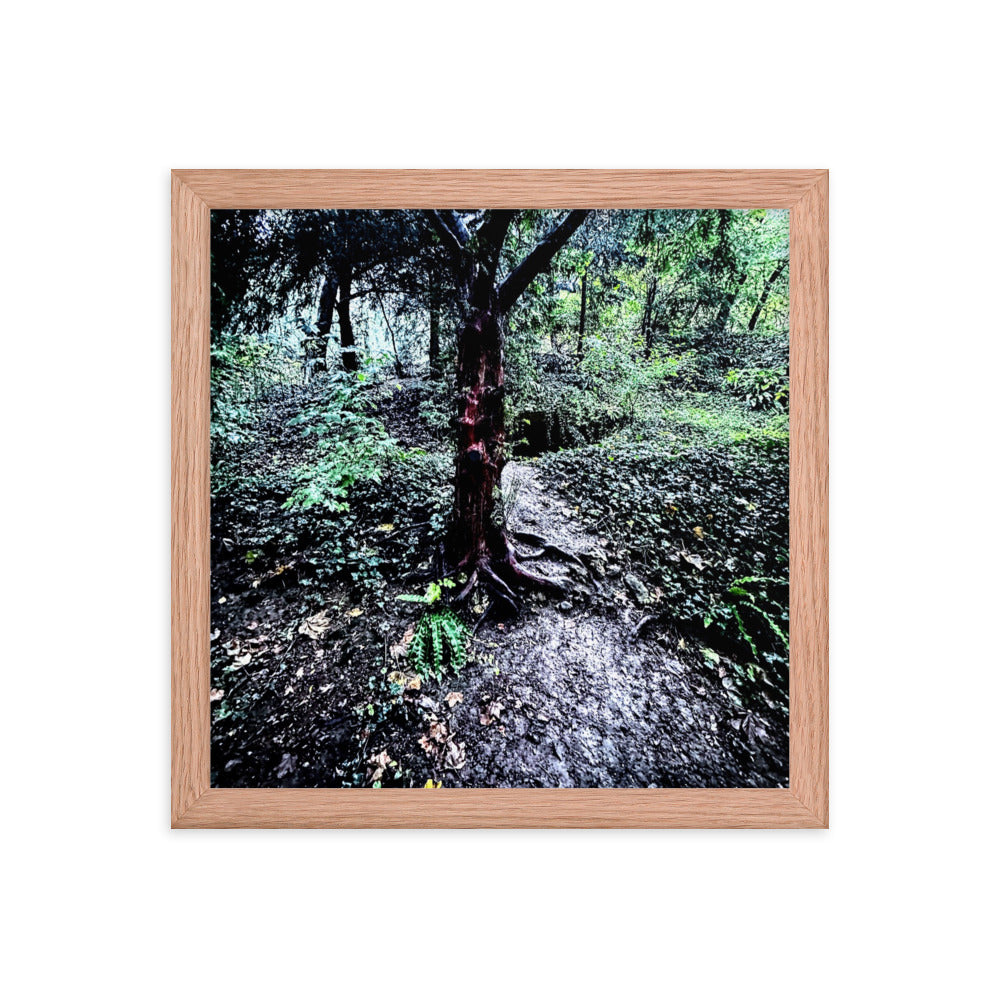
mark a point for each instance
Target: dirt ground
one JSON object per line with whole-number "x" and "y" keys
{"x": 588, "y": 689}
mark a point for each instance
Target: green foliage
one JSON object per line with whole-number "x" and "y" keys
{"x": 705, "y": 420}
{"x": 626, "y": 377}
{"x": 439, "y": 642}
{"x": 349, "y": 445}
{"x": 754, "y": 606}
{"x": 695, "y": 522}
{"x": 239, "y": 370}
{"x": 432, "y": 594}
{"x": 760, "y": 388}
{"x": 436, "y": 414}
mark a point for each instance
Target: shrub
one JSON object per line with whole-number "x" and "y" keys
{"x": 350, "y": 446}
{"x": 760, "y": 388}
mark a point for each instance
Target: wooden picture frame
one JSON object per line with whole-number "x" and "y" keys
{"x": 195, "y": 804}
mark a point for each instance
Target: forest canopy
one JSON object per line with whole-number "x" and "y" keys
{"x": 524, "y": 425}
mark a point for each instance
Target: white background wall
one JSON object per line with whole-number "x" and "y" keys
{"x": 101, "y": 99}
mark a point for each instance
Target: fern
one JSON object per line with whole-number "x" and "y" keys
{"x": 746, "y": 599}
{"x": 439, "y": 641}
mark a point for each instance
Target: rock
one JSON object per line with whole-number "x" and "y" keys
{"x": 638, "y": 588}
{"x": 597, "y": 560}
{"x": 566, "y": 606}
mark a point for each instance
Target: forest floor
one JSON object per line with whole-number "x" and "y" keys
{"x": 593, "y": 688}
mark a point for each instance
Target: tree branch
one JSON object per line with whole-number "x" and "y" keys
{"x": 449, "y": 236}
{"x": 539, "y": 258}
{"x": 455, "y": 220}
{"x": 490, "y": 236}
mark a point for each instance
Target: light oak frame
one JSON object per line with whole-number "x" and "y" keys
{"x": 195, "y": 804}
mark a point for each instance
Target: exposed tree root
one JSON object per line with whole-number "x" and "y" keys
{"x": 555, "y": 552}
{"x": 502, "y": 575}
{"x": 486, "y": 571}
{"x": 547, "y": 549}
{"x": 467, "y": 589}
{"x": 530, "y": 538}
{"x": 522, "y": 575}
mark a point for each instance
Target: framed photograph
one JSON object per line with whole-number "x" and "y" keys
{"x": 499, "y": 498}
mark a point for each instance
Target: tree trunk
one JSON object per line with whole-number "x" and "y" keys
{"x": 400, "y": 373}
{"x": 434, "y": 348}
{"x": 728, "y": 301}
{"x": 647, "y": 317}
{"x": 481, "y": 546}
{"x": 316, "y": 345}
{"x": 583, "y": 316}
{"x": 481, "y": 432}
{"x": 775, "y": 274}
{"x": 347, "y": 349}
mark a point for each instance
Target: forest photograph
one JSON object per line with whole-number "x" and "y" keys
{"x": 499, "y": 498}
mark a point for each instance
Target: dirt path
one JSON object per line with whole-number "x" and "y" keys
{"x": 570, "y": 696}
{"x": 567, "y": 694}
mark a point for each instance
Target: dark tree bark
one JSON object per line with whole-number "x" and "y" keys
{"x": 728, "y": 301}
{"x": 434, "y": 347}
{"x": 764, "y": 295}
{"x": 583, "y": 315}
{"x": 478, "y": 543}
{"x": 347, "y": 347}
{"x": 647, "y": 317}
{"x": 316, "y": 346}
{"x": 392, "y": 337}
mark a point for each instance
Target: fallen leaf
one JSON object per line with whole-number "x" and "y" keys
{"x": 286, "y": 766}
{"x": 453, "y": 698}
{"x": 699, "y": 533}
{"x": 431, "y": 783}
{"x": 398, "y": 649}
{"x": 386, "y": 527}
{"x": 354, "y": 612}
{"x": 242, "y": 661}
{"x": 216, "y": 694}
{"x": 381, "y": 761}
{"x": 411, "y": 682}
{"x": 454, "y": 756}
{"x": 490, "y": 712}
{"x": 695, "y": 561}
{"x": 315, "y": 626}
